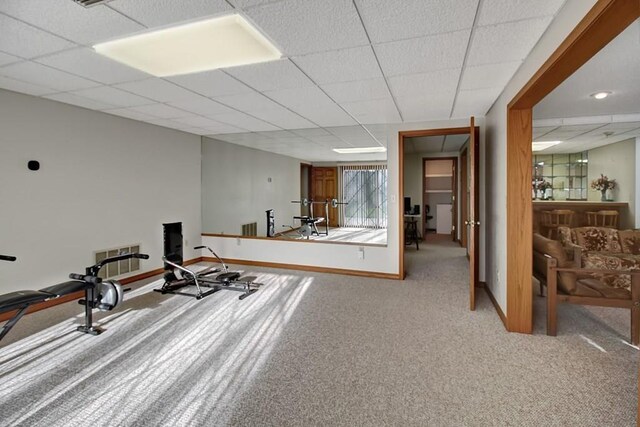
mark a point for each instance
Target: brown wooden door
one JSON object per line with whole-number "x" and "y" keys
{"x": 473, "y": 222}
{"x": 324, "y": 186}
{"x": 454, "y": 200}
{"x": 464, "y": 194}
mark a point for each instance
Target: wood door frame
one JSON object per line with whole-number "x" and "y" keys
{"x": 401, "y": 136}
{"x": 604, "y": 22}
{"x": 464, "y": 202}
{"x": 454, "y": 188}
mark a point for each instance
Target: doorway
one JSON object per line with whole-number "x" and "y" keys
{"x": 472, "y": 221}
{"x": 439, "y": 190}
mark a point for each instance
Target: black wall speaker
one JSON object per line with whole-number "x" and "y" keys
{"x": 33, "y": 165}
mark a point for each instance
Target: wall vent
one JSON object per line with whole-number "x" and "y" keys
{"x": 250, "y": 229}
{"x": 89, "y": 3}
{"x": 121, "y": 267}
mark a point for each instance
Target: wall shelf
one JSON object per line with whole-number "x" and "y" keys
{"x": 438, "y": 191}
{"x": 438, "y": 175}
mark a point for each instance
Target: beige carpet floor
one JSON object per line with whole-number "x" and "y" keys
{"x": 321, "y": 349}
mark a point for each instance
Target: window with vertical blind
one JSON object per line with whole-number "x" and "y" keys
{"x": 364, "y": 188}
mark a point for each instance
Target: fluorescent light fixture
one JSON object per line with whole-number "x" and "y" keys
{"x": 543, "y": 145}
{"x": 360, "y": 150}
{"x": 221, "y": 42}
{"x": 600, "y": 95}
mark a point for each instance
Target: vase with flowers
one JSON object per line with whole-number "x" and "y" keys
{"x": 545, "y": 189}
{"x": 603, "y": 184}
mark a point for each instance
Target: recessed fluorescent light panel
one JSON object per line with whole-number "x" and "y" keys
{"x": 226, "y": 41}
{"x": 360, "y": 150}
{"x": 543, "y": 145}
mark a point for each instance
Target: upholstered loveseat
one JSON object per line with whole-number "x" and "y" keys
{"x": 604, "y": 248}
{"x": 561, "y": 269}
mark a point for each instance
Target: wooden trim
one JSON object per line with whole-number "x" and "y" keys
{"x": 272, "y": 239}
{"x": 435, "y": 132}
{"x": 301, "y": 267}
{"x": 77, "y": 295}
{"x": 601, "y": 24}
{"x": 495, "y": 305}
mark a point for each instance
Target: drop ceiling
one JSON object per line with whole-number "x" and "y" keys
{"x": 435, "y": 144}
{"x": 348, "y": 67}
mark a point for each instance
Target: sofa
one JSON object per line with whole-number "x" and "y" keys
{"x": 604, "y": 248}
{"x": 561, "y": 268}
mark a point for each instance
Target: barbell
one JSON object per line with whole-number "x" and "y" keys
{"x": 333, "y": 202}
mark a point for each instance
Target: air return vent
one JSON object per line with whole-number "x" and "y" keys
{"x": 250, "y": 229}
{"x": 121, "y": 267}
{"x": 89, "y": 3}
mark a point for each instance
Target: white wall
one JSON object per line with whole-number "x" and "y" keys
{"x": 616, "y": 161}
{"x": 496, "y": 145}
{"x": 104, "y": 182}
{"x": 236, "y": 188}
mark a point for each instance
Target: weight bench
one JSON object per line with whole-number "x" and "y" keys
{"x": 310, "y": 225}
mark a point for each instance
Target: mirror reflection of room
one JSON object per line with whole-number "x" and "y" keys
{"x": 289, "y": 185}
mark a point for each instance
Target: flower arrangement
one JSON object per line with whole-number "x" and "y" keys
{"x": 603, "y": 183}
{"x": 543, "y": 185}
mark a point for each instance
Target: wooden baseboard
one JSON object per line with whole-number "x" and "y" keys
{"x": 495, "y": 304}
{"x": 315, "y": 269}
{"x": 77, "y": 295}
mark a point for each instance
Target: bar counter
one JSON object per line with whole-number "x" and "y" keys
{"x": 580, "y": 207}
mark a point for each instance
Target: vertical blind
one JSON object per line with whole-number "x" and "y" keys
{"x": 364, "y": 188}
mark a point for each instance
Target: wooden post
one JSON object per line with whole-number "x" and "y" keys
{"x": 552, "y": 294}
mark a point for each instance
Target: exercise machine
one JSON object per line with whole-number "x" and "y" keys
{"x": 100, "y": 294}
{"x": 309, "y": 224}
{"x": 213, "y": 279}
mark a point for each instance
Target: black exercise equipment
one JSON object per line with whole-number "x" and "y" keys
{"x": 214, "y": 279}
{"x": 7, "y": 258}
{"x": 309, "y": 224}
{"x": 100, "y": 294}
{"x": 271, "y": 223}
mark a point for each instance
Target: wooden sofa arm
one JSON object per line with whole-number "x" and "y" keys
{"x": 552, "y": 295}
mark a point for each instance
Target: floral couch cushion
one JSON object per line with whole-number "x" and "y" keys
{"x": 612, "y": 261}
{"x": 630, "y": 241}
{"x": 598, "y": 239}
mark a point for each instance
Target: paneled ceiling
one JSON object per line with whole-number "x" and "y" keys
{"x": 346, "y": 64}
{"x": 435, "y": 144}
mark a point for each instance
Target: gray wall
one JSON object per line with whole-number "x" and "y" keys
{"x": 236, "y": 188}
{"x": 105, "y": 182}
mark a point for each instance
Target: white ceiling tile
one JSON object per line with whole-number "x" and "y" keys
{"x": 71, "y": 20}
{"x": 313, "y": 104}
{"x": 280, "y": 134}
{"x": 80, "y": 101}
{"x": 5, "y": 59}
{"x": 283, "y": 118}
{"x": 274, "y": 75}
{"x": 248, "y": 3}
{"x": 361, "y": 90}
{"x": 130, "y": 114}
{"x": 243, "y": 121}
{"x": 454, "y": 142}
{"x": 158, "y": 90}
{"x": 425, "y": 84}
{"x": 420, "y": 108}
{"x": 201, "y": 105}
{"x": 197, "y": 121}
{"x": 41, "y": 75}
{"x": 300, "y": 27}
{"x": 113, "y": 96}
{"x": 162, "y": 111}
{"x": 211, "y": 83}
{"x": 155, "y": 13}
{"x": 86, "y": 63}
{"x": 506, "y": 42}
{"x": 487, "y": 76}
{"x": 388, "y": 20}
{"x": 344, "y": 65}
{"x": 432, "y": 53}
{"x": 23, "y": 87}
{"x": 26, "y": 41}
{"x": 498, "y": 11}
{"x": 373, "y": 111}
{"x": 310, "y": 133}
{"x": 252, "y": 101}
{"x": 475, "y": 102}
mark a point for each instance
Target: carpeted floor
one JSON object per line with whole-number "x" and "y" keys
{"x": 320, "y": 349}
